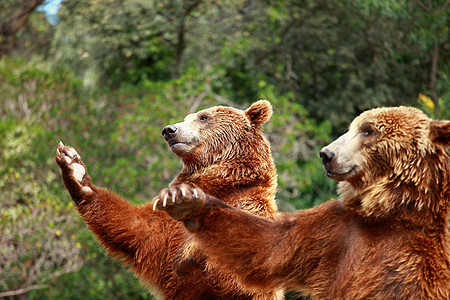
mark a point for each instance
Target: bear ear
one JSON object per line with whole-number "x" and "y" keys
{"x": 440, "y": 132}
{"x": 259, "y": 113}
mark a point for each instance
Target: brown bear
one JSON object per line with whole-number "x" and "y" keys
{"x": 225, "y": 154}
{"x": 385, "y": 237}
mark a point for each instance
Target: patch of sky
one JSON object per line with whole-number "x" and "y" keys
{"x": 50, "y": 9}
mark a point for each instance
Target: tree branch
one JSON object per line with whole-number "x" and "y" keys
{"x": 191, "y": 7}
{"x": 423, "y": 6}
{"x": 17, "y": 21}
{"x": 23, "y": 290}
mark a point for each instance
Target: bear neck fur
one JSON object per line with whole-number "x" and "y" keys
{"x": 417, "y": 196}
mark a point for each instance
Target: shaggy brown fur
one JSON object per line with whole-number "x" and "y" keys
{"x": 225, "y": 154}
{"x": 386, "y": 237}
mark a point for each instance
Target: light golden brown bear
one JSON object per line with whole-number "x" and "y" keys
{"x": 225, "y": 154}
{"x": 386, "y": 237}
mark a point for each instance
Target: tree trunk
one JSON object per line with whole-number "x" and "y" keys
{"x": 181, "y": 34}
{"x": 434, "y": 68}
{"x": 179, "y": 48}
{"x": 9, "y": 28}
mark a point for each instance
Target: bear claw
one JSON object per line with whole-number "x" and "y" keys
{"x": 155, "y": 203}
{"x": 173, "y": 197}
{"x": 165, "y": 200}
{"x": 185, "y": 200}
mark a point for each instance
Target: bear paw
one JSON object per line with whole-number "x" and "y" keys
{"x": 179, "y": 201}
{"x": 73, "y": 169}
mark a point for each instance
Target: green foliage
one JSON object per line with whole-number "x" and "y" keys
{"x": 296, "y": 140}
{"x": 42, "y": 236}
{"x": 345, "y": 55}
{"x": 126, "y": 42}
{"x": 337, "y": 58}
{"x": 38, "y": 237}
{"x": 425, "y": 28}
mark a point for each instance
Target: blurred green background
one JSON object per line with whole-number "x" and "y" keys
{"x": 106, "y": 76}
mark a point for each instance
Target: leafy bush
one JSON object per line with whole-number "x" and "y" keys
{"x": 45, "y": 247}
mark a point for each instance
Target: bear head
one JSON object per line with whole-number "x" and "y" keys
{"x": 391, "y": 161}
{"x": 220, "y": 134}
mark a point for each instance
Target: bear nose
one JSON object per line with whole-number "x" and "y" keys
{"x": 169, "y": 132}
{"x": 326, "y": 156}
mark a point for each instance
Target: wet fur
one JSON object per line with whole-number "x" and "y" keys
{"x": 386, "y": 237}
{"x": 233, "y": 163}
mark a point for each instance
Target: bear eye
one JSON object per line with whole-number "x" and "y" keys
{"x": 367, "y": 130}
{"x": 203, "y": 118}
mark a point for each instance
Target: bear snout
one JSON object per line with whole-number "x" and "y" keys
{"x": 169, "y": 132}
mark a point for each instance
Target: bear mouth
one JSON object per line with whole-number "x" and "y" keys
{"x": 172, "y": 144}
{"x": 340, "y": 176}
{"x": 180, "y": 148}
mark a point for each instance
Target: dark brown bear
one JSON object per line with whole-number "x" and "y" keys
{"x": 386, "y": 237}
{"x": 225, "y": 154}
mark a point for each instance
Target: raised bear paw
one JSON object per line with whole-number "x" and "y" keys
{"x": 74, "y": 173}
{"x": 179, "y": 201}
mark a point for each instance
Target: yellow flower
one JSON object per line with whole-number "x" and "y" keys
{"x": 58, "y": 233}
{"x": 426, "y": 101}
